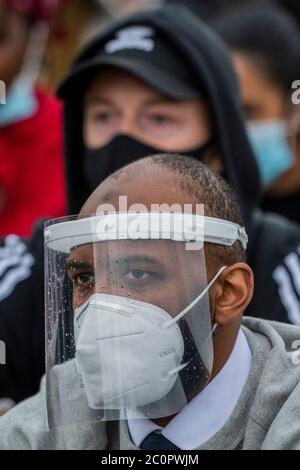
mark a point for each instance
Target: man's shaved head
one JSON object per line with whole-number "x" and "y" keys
{"x": 174, "y": 179}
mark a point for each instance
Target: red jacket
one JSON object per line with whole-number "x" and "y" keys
{"x": 31, "y": 168}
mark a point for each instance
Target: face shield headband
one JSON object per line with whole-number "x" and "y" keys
{"x": 188, "y": 228}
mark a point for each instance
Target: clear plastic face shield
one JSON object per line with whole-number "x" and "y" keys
{"x": 128, "y": 320}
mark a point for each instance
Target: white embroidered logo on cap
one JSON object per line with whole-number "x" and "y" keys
{"x": 134, "y": 37}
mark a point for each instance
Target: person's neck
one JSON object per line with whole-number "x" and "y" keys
{"x": 224, "y": 341}
{"x": 163, "y": 422}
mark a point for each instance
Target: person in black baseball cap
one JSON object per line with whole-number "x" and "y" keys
{"x": 144, "y": 52}
{"x": 181, "y": 61}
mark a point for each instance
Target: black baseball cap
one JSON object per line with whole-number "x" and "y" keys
{"x": 145, "y": 53}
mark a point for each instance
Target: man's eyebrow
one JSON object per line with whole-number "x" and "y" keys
{"x": 160, "y": 100}
{"x": 74, "y": 264}
{"x": 139, "y": 259}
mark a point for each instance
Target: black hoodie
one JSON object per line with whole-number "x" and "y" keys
{"x": 273, "y": 240}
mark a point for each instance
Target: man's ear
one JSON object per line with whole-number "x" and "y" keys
{"x": 233, "y": 293}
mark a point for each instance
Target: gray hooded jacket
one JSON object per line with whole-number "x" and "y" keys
{"x": 267, "y": 415}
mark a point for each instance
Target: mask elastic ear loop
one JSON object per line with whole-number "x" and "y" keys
{"x": 177, "y": 369}
{"x": 194, "y": 302}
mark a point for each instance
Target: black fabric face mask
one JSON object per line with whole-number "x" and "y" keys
{"x": 119, "y": 152}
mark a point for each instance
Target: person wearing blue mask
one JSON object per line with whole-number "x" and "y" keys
{"x": 267, "y": 66}
{"x": 30, "y": 155}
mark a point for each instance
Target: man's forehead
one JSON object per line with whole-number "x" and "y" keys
{"x": 149, "y": 250}
{"x": 144, "y": 184}
{"x": 112, "y": 77}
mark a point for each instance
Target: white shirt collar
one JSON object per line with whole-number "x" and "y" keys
{"x": 204, "y": 416}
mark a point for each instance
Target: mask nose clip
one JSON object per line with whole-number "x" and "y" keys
{"x": 113, "y": 307}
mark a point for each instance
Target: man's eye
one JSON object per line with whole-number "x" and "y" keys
{"x": 161, "y": 119}
{"x": 137, "y": 274}
{"x": 103, "y": 117}
{"x": 84, "y": 280}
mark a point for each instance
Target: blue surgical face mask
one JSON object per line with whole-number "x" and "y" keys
{"x": 20, "y": 104}
{"x": 271, "y": 149}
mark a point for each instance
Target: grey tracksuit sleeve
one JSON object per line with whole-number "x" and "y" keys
{"x": 24, "y": 427}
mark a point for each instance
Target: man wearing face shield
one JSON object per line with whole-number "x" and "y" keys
{"x": 139, "y": 88}
{"x": 145, "y": 347}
